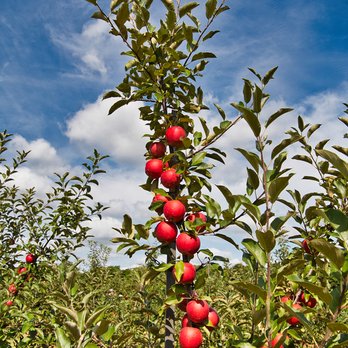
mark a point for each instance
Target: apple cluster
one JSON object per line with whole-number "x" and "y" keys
{"x": 24, "y": 275}
{"x": 197, "y": 311}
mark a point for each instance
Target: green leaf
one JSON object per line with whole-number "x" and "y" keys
{"x": 253, "y": 179}
{"x": 187, "y": 8}
{"x": 334, "y": 326}
{"x": 338, "y": 220}
{"x": 336, "y": 161}
{"x": 285, "y": 143}
{"x": 95, "y": 317}
{"x": 118, "y": 105}
{"x": 247, "y": 91}
{"x": 335, "y": 255}
{"x": 227, "y": 239}
{"x": 169, "y": 4}
{"x": 250, "y": 117}
{"x": 255, "y": 249}
{"x": 277, "y": 186}
{"x": 312, "y": 129}
{"x": 74, "y": 330}
{"x": 251, "y": 157}
{"x": 163, "y": 267}
{"x": 114, "y": 4}
{"x": 203, "y": 55}
{"x": 269, "y": 75}
{"x": 277, "y": 114}
{"x": 266, "y": 240}
{"x": 257, "y": 99}
{"x": 211, "y": 34}
{"x": 179, "y": 269}
{"x": 319, "y": 291}
{"x": 62, "y": 338}
{"x": 210, "y": 7}
{"x": 303, "y": 158}
{"x": 198, "y": 158}
{"x": 255, "y": 289}
{"x": 341, "y": 149}
{"x": 221, "y": 111}
{"x": 102, "y": 327}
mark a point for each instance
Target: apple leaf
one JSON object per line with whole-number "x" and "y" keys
{"x": 336, "y": 161}
{"x": 63, "y": 339}
{"x": 210, "y": 7}
{"x": 277, "y": 114}
{"x": 187, "y": 8}
{"x": 250, "y": 117}
{"x": 266, "y": 240}
{"x": 254, "y": 248}
{"x": 331, "y": 252}
{"x": 255, "y": 289}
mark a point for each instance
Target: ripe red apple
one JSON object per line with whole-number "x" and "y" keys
{"x": 185, "y": 321}
{"x": 170, "y": 178}
{"x": 166, "y": 232}
{"x": 188, "y": 276}
{"x": 12, "y": 289}
{"x": 213, "y": 319}
{"x": 294, "y": 320}
{"x": 190, "y": 337}
{"x": 197, "y": 311}
{"x": 305, "y": 246}
{"x": 9, "y": 303}
{"x": 187, "y": 244}
{"x": 311, "y": 302}
{"x": 157, "y": 149}
{"x": 174, "y": 210}
{"x": 199, "y": 215}
{"x": 160, "y": 198}
{"x": 285, "y": 299}
{"x": 22, "y": 270}
{"x": 30, "y": 258}
{"x": 154, "y": 168}
{"x": 275, "y": 340}
{"x": 175, "y": 135}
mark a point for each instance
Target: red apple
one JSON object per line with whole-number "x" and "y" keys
{"x": 22, "y": 270}
{"x": 197, "y": 311}
{"x": 160, "y": 198}
{"x": 166, "y": 232}
{"x": 157, "y": 149}
{"x": 174, "y": 210}
{"x": 285, "y": 299}
{"x": 154, "y": 168}
{"x": 175, "y": 135}
{"x": 213, "y": 319}
{"x": 188, "y": 276}
{"x": 190, "y": 337}
{"x": 275, "y": 340}
{"x": 12, "y": 289}
{"x": 311, "y": 302}
{"x": 185, "y": 321}
{"x": 30, "y": 258}
{"x": 305, "y": 246}
{"x": 199, "y": 215}
{"x": 294, "y": 320}
{"x": 187, "y": 244}
{"x": 9, "y": 303}
{"x": 170, "y": 178}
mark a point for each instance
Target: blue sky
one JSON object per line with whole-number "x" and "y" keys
{"x": 55, "y": 62}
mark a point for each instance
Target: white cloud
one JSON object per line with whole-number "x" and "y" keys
{"x": 119, "y": 135}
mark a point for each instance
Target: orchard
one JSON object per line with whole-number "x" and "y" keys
{"x": 290, "y": 290}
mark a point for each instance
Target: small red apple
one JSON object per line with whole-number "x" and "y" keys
{"x": 311, "y": 302}
{"x": 190, "y": 337}
{"x": 157, "y": 149}
{"x": 188, "y": 276}
{"x": 294, "y": 320}
{"x": 305, "y": 246}
{"x": 275, "y": 340}
{"x": 199, "y": 215}
{"x": 12, "y": 289}
{"x": 170, "y": 178}
{"x": 30, "y": 258}
{"x": 160, "y": 198}
{"x": 213, "y": 319}
{"x": 187, "y": 244}
{"x": 174, "y": 210}
{"x": 9, "y": 303}
{"x": 175, "y": 135}
{"x": 166, "y": 232}
{"x": 285, "y": 299}
{"x": 22, "y": 270}
{"x": 185, "y": 321}
{"x": 197, "y": 311}
{"x": 154, "y": 168}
